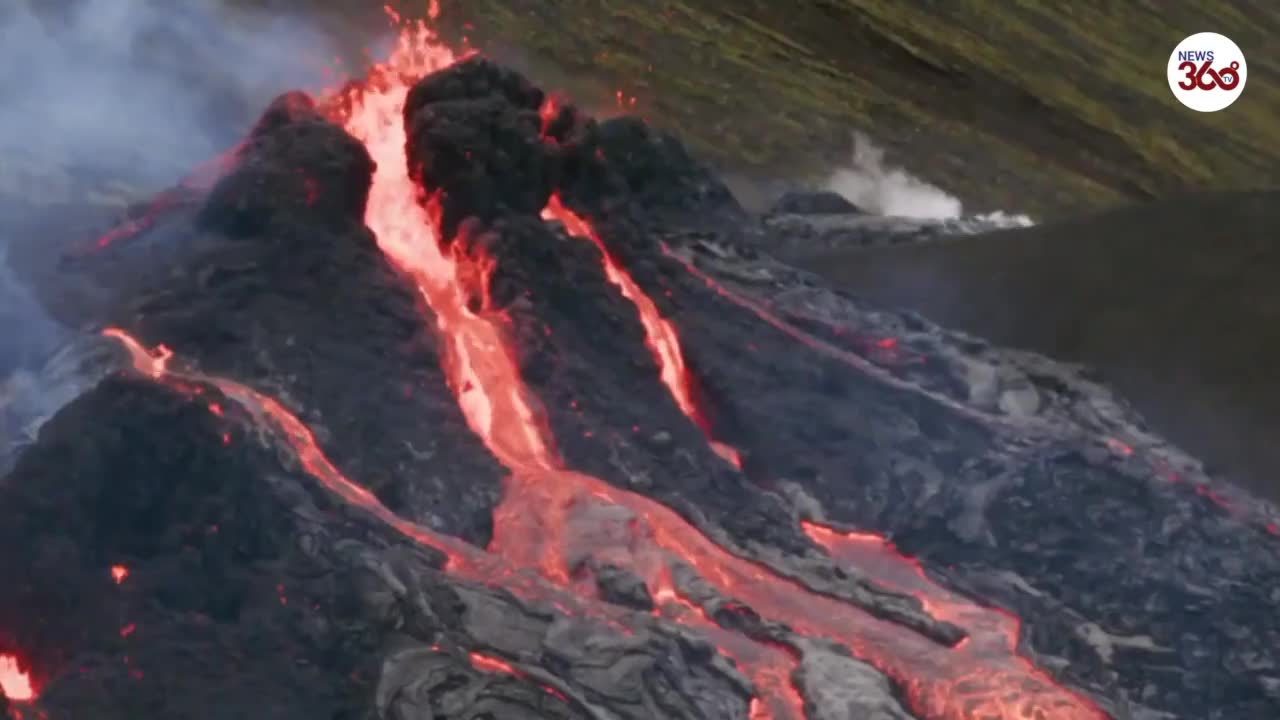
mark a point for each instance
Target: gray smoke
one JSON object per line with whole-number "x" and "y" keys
{"x": 106, "y": 101}
{"x": 40, "y": 366}
{"x": 150, "y": 87}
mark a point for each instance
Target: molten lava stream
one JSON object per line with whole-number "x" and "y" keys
{"x": 464, "y": 560}
{"x": 768, "y": 666}
{"x": 478, "y": 360}
{"x": 660, "y": 333}
{"x": 15, "y": 682}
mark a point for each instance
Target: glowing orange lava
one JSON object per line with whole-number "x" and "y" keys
{"x": 15, "y": 681}
{"x": 489, "y": 663}
{"x": 992, "y": 632}
{"x": 768, "y": 666}
{"x": 660, "y": 333}
{"x": 554, "y": 520}
{"x": 537, "y": 522}
{"x": 119, "y": 573}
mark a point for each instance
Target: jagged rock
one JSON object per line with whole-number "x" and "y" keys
{"x": 841, "y": 688}
{"x": 817, "y": 202}
{"x": 620, "y": 586}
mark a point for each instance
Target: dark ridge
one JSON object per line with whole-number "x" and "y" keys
{"x": 294, "y": 162}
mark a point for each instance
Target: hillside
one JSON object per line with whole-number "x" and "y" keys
{"x": 1034, "y": 107}
{"x": 1041, "y": 107}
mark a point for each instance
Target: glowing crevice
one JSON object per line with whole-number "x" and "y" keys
{"x": 15, "y": 680}
{"x": 660, "y": 334}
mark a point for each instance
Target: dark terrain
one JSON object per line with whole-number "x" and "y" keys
{"x": 595, "y": 553}
{"x": 623, "y": 463}
{"x": 1175, "y": 303}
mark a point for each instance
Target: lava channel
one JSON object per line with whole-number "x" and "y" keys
{"x": 660, "y": 333}
{"x": 530, "y": 527}
{"x": 769, "y": 666}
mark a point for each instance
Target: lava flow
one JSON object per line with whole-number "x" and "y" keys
{"x": 15, "y": 682}
{"x": 767, "y": 665}
{"x": 533, "y": 525}
{"x": 660, "y": 333}
{"x": 991, "y": 631}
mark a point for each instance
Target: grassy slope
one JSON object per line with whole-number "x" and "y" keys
{"x": 1050, "y": 107}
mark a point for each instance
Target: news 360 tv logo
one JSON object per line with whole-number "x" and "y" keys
{"x": 1207, "y": 72}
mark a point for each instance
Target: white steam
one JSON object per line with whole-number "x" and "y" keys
{"x": 122, "y": 97}
{"x": 883, "y": 190}
{"x": 144, "y": 87}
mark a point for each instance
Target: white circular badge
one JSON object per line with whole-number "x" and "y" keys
{"x": 1207, "y": 72}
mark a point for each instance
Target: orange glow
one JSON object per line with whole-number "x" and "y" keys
{"x": 530, "y": 528}
{"x": 119, "y": 573}
{"x": 991, "y": 631}
{"x": 660, "y": 333}
{"x": 15, "y": 681}
{"x": 489, "y": 663}
{"x": 1118, "y": 447}
{"x": 539, "y": 522}
{"x": 152, "y": 364}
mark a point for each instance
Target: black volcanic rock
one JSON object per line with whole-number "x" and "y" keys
{"x": 475, "y": 133}
{"x": 623, "y": 165}
{"x": 262, "y": 582}
{"x": 817, "y": 202}
{"x": 198, "y": 628}
{"x": 292, "y": 158}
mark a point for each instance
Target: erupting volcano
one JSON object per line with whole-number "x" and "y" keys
{"x": 453, "y": 418}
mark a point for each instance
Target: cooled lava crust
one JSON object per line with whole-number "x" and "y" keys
{"x": 720, "y": 526}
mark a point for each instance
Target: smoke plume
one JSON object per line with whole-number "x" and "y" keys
{"x": 884, "y": 190}
{"x": 107, "y": 101}
{"x": 143, "y": 86}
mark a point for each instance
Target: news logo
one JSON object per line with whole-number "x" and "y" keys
{"x": 1207, "y": 72}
